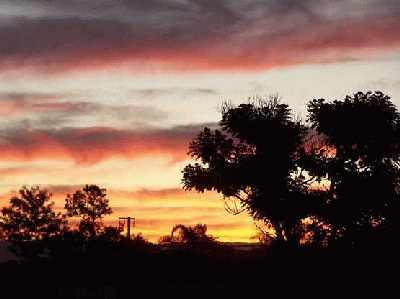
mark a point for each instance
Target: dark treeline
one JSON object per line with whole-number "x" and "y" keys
{"x": 324, "y": 193}
{"x": 30, "y": 215}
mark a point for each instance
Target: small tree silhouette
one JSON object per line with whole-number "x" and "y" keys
{"x": 253, "y": 162}
{"x": 30, "y": 216}
{"x": 91, "y": 204}
{"x": 188, "y": 235}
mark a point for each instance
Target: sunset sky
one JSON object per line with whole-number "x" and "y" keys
{"x": 110, "y": 92}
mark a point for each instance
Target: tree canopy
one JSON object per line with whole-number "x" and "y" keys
{"x": 30, "y": 215}
{"x": 253, "y": 159}
{"x": 91, "y": 205}
{"x": 336, "y": 175}
{"x": 363, "y": 131}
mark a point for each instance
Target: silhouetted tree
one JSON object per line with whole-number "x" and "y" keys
{"x": 30, "y": 216}
{"x": 91, "y": 204}
{"x": 360, "y": 162}
{"x": 253, "y": 162}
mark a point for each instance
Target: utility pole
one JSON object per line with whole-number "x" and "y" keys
{"x": 130, "y": 222}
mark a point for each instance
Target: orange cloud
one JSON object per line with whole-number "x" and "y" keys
{"x": 144, "y": 194}
{"x": 91, "y": 145}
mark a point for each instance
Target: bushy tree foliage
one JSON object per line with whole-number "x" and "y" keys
{"x": 362, "y": 133}
{"x": 91, "y": 205}
{"x": 253, "y": 159}
{"x": 31, "y": 216}
{"x": 337, "y": 178}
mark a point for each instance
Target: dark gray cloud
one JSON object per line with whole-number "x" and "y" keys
{"x": 191, "y": 34}
{"x": 25, "y": 97}
{"x": 36, "y": 110}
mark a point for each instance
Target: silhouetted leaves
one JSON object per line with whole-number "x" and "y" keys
{"x": 253, "y": 159}
{"x": 337, "y": 179}
{"x": 90, "y": 204}
{"x": 363, "y": 134}
{"x": 30, "y": 216}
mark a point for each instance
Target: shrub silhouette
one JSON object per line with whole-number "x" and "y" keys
{"x": 187, "y": 235}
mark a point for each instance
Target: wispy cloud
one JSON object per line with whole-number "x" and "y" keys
{"x": 153, "y": 93}
{"x": 94, "y": 144}
{"x": 42, "y": 111}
